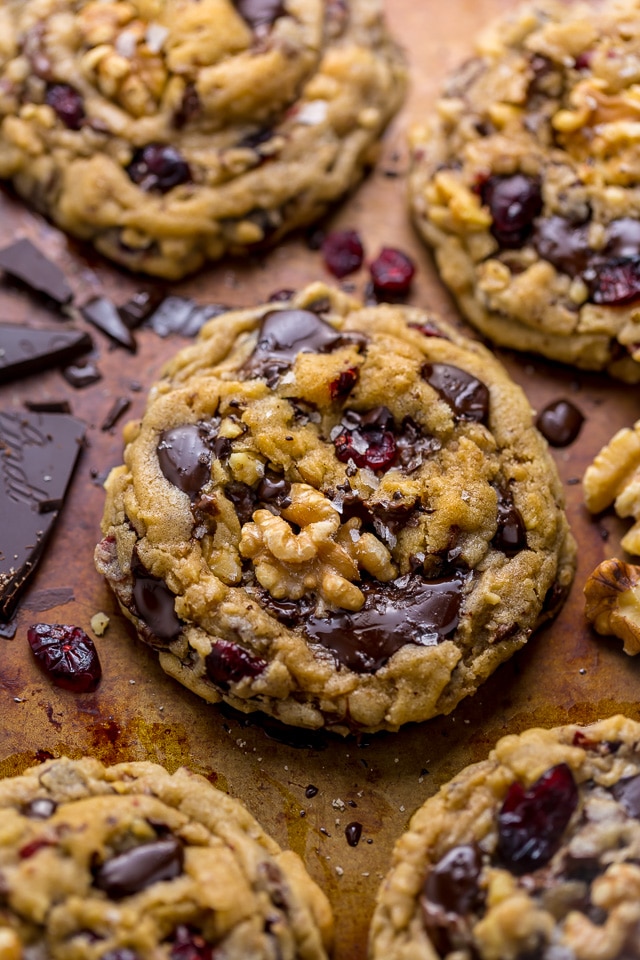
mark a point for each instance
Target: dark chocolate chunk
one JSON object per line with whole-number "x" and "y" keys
{"x": 136, "y": 869}
{"x": 67, "y": 104}
{"x": 103, "y": 314}
{"x": 48, "y": 406}
{"x": 423, "y": 612}
{"x": 563, "y": 243}
{"x": 560, "y": 423}
{"x": 450, "y": 894}
{"x": 353, "y": 832}
{"x": 627, "y": 793}
{"x": 514, "y": 201}
{"x": 259, "y": 13}
{"x": 39, "y": 600}
{"x": 623, "y": 238}
{"x": 189, "y": 108}
{"x": 154, "y": 603}
{"x": 467, "y": 397}
{"x": 181, "y": 316}
{"x": 140, "y": 306}
{"x": 26, "y": 350}
{"x": 25, "y": 262}
{"x": 119, "y": 406}
{"x": 311, "y": 791}
{"x": 185, "y": 458}
{"x": 41, "y": 808}
{"x": 158, "y": 167}
{"x": 275, "y": 490}
{"x": 38, "y": 453}
{"x": 81, "y": 375}
{"x": 511, "y": 535}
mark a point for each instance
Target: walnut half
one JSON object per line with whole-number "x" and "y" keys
{"x": 614, "y": 477}
{"x": 612, "y": 595}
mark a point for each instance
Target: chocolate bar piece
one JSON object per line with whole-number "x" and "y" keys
{"x": 24, "y": 262}
{"x": 25, "y": 350}
{"x": 38, "y": 453}
{"x": 103, "y": 314}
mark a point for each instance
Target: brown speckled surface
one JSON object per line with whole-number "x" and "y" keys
{"x": 565, "y": 674}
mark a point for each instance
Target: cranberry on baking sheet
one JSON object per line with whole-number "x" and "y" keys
{"x": 67, "y": 655}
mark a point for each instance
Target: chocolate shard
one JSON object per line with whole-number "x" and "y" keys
{"x": 38, "y": 453}
{"x": 23, "y": 261}
{"x": 103, "y": 314}
{"x": 26, "y": 350}
{"x": 181, "y": 316}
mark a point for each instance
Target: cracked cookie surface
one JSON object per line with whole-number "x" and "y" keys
{"x": 524, "y": 183}
{"x": 531, "y": 853}
{"x": 133, "y": 863}
{"x": 342, "y": 516}
{"x": 170, "y": 132}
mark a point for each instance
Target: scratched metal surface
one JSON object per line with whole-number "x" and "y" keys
{"x": 566, "y": 673}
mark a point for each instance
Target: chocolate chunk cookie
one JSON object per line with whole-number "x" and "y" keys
{"x": 132, "y": 863}
{"x": 525, "y": 184}
{"x": 342, "y": 516}
{"x": 169, "y": 132}
{"x": 531, "y": 853}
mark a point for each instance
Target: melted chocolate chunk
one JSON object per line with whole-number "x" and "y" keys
{"x": 514, "y": 201}
{"x": 189, "y": 108}
{"x": 286, "y": 333}
{"x": 24, "y": 262}
{"x": 450, "y": 893}
{"x": 41, "y": 808}
{"x": 136, "y": 869}
{"x": 560, "y": 423}
{"x": 259, "y": 13}
{"x": 467, "y": 397}
{"x": 627, "y": 793}
{"x": 275, "y": 490}
{"x": 154, "y": 603}
{"x": 511, "y": 535}
{"x": 564, "y": 244}
{"x": 243, "y": 498}
{"x": 25, "y": 350}
{"x": 423, "y": 612}
{"x": 103, "y": 314}
{"x": 185, "y": 458}
{"x": 38, "y": 453}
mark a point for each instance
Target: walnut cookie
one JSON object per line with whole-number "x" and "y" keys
{"x": 525, "y": 184}
{"x": 170, "y": 132}
{"x": 133, "y": 863}
{"x": 530, "y": 853}
{"x": 338, "y": 515}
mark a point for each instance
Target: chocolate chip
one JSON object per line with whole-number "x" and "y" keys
{"x": 627, "y": 793}
{"x": 563, "y": 243}
{"x": 103, "y": 314}
{"x": 154, "y": 603}
{"x": 353, "y": 832}
{"x": 40, "y": 808}
{"x": 140, "y": 306}
{"x": 275, "y": 490}
{"x": 119, "y": 407}
{"x": 467, "y": 396}
{"x": 48, "y": 406}
{"x": 185, "y": 458}
{"x": 259, "y": 13}
{"x": 181, "y": 316}
{"x": 136, "y": 869}
{"x": 38, "y": 453}
{"x": 25, "y": 262}
{"x": 311, "y": 791}
{"x": 418, "y": 611}
{"x": 560, "y": 423}
{"x": 27, "y": 350}
{"x": 82, "y": 375}
{"x": 511, "y": 535}
{"x": 450, "y": 893}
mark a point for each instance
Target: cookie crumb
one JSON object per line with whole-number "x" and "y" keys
{"x": 99, "y": 623}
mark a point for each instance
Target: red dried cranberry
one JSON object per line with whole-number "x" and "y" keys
{"x": 614, "y": 282}
{"x": 67, "y": 654}
{"x": 392, "y": 271}
{"x": 36, "y": 844}
{"x": 190, "y": 945}
{"x": 344, "y": 383}
{"x": 531, "y": 822}
{"x": 514, "y": 203}
{"x": 158, "y": 167}
{"x": 380, "y": 450}
{"x": 343, "y": 252}
{"x": 67, "y": 103}
{"x": 229, "y": 663}
{"x": 428, "y": 329}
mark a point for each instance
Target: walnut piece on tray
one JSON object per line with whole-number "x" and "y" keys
{"x": 612, "y": 602}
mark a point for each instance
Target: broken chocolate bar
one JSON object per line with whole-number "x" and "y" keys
{"x": 103, "y": 314}
{"x": 24, "y": 262}
{"x": 25, "y": 350}
{"x": 38, "y": 453}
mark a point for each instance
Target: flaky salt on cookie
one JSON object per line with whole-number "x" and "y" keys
{"x": 338, "y": 515}
{"x": 530, "y": 853}
{"x": 170, "y": 132}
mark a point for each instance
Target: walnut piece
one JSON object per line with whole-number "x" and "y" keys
{"x": 323, "y": 556}
{"x": 614, "y": 477}
{"x": 612, "y": 595}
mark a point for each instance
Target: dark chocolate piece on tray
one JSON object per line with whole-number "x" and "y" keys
{"x": 23, "y": 261}
{"x": 119, "y": 406}
{"x": 26, "y": 350}
{"x": 81, "y": 375}
{"x": 103, "y": 314}
{"x": 38, "y": 453}
{"x": 48, "y": 406}
{"x": 182, "y": 316}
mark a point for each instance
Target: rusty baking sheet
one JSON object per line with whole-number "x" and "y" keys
{"x": 565, "y": 674}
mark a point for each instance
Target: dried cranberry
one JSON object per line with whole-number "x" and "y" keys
{"x": 67, "y": 104}
{"x": 392, "y": 271}
{"x": 614, "y": 282}
{"x": 531, "y": 822}
{"x": 67, "y": 654}
{"x": 428, "y": 329}
{"x": 158, "y": 167}
{"x": 38, "y": 843}
{"x": 366, "y": 439}
{"x": 344, "y": 383}
{"x": 229, "y": 663}
{"x": 514, "y": 203}
{"x": 189, "y": 945}
{"x": 343, "y": 252}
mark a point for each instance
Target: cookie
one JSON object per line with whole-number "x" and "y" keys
{"x": 338, "y": 515}
{"x": 524, "y": 183}
{"x": 170, "y": 132}
{"x": 130, "y": 862}
{"x": 531, "y": 853}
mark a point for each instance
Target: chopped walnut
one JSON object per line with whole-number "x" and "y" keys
{"x": 612, "y": 595}
{"x": 324, "y": 555}
{"x": 614, "y": 477}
